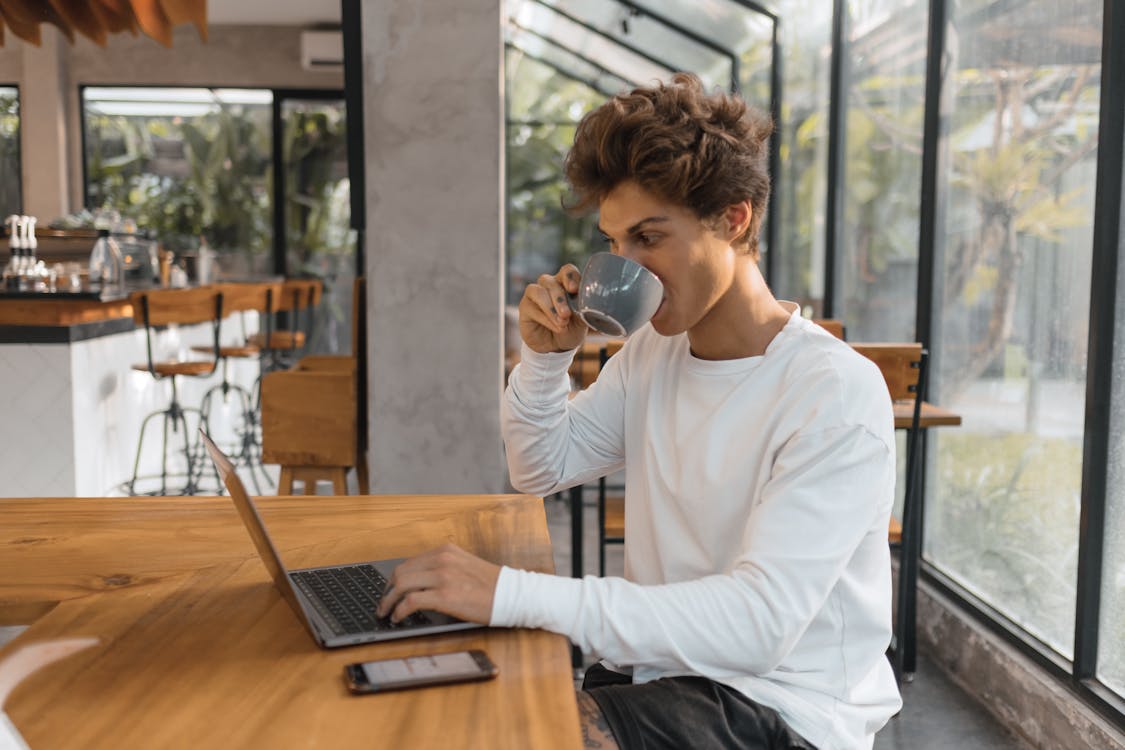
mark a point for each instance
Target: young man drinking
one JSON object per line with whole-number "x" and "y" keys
{"x": 758, "y": 452}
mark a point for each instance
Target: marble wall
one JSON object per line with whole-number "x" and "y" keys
{"x": 433, "y": 87}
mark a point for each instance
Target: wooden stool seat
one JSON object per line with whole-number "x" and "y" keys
{"x": 615, "y": 517}
{"x": 278, "y": 340}
{"x": 894, "y": 532}
{"x": 245, "y": 351}
{"x": 166, "y": 369}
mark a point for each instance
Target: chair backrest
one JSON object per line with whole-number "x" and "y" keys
{"x": 608, "y": 349}
{"x": 832, "y": 325}
{"x": 589, "y": 360}
{"x": 161, "y": 307}
{"x": 901, "y": 365}
{"x": 261, "y": 297}
{"x": 299, "y": 294}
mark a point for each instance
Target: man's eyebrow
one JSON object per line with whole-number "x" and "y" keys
{"x": 639, "y": 225}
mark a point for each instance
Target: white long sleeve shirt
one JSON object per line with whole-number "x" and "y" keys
{"x": 757, "y": 498}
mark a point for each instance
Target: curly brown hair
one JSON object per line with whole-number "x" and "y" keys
{"x": 704, "y": 151}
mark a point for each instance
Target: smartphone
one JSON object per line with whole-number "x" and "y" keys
{"x": 419, "y": 671}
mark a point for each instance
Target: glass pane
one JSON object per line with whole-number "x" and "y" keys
{"x": 183, "y": 164}
{"x": 544, "y": 107}
{"x": 1111, "y": 640}
{"x": 319, "y": 241}
{"x": 801, "y": 185}
{"x": 564, "y": 62}
{"x": 11, "y": 199}
{"x": 668, "y": 37}
{"x": 885, "y": 89}
{"x": 755, "y": 84}
{"x": 568, "y": 33}
{"x": 1011, "y": 333}
{"x": 541, "y": 235}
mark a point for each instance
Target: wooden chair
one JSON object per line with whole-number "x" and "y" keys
{"x": 297, "y": 298}
{"x": 832, "y": 325}
{"x": 314, "y": 415}
{"x": 611, "y": 508}
{"x": 162, "y": 307}
{"x": 904, "y": 369}
{"x": 243, "y": 298}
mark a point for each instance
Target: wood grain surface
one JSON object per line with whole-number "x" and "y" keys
{"x": 199, "y": 650}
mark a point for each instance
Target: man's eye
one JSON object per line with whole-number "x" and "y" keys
{"x": 646, "y": 239}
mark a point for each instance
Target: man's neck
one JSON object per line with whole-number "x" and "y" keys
{"x": 743, "y": 322}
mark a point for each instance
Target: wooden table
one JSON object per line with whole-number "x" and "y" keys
{"x": 199, "y": 649}
{"x": 929, "y": 416}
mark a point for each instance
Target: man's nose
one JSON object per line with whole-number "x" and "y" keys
{"x": 628, "y": 250}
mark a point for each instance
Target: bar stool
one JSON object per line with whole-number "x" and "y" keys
{"x": 163, "y": 307}
{"x": 282, "y": 346}
{"x": 242, "y": 298}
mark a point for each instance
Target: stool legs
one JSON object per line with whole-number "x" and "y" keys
{"x": 175, "y": 415}
{"x": 249, "y": 452}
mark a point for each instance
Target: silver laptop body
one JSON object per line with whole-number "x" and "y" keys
{"x": 300, "y": 587}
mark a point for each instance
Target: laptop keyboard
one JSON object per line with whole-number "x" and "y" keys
{"x": 347, "y": 597}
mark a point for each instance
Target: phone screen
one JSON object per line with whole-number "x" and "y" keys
{"x": 417, "y": 671}
{"x": 421, "y": 668}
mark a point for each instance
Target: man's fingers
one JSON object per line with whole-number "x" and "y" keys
{"x": 543, "y": 310}
{"x": 414, "y": 601}
{"x": 397, "y": 588}
{"x": 555, "y": 297}
{"x": 569, "y": 276}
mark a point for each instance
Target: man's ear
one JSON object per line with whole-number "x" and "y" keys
{"x": 737, "y": 217}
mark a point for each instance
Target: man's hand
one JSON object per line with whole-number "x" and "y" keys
{"x": 447, "y": 579}
{"x": 547, "y": 323}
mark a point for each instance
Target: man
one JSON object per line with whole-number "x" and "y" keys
{"x": 758, "y": 452}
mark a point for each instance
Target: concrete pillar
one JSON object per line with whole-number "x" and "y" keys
{"x": 433, "y": 88}
{"x": 43, "y": 138}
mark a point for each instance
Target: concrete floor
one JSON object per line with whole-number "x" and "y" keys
{"x": 936, "y": 713}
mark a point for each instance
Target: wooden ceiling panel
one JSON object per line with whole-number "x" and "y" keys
{"x": 97, "y": 19}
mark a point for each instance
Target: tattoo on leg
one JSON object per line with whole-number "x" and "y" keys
{"x": 595, "y": 729}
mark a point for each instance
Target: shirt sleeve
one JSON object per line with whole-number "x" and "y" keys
{"x": 553, "y": 441}
{"x": 826, "y": 492}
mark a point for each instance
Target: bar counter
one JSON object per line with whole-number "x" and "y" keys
{"x": 71, "y": 405}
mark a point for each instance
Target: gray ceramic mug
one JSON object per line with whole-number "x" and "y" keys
{"x": 616, "y": 296}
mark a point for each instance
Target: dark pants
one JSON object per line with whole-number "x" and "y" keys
{"x": 686, "y": 712}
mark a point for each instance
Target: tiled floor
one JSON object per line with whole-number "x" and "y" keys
{"x": 936, "y": 714}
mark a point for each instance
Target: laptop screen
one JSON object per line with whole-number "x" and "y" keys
{"x": 253, "y": 522}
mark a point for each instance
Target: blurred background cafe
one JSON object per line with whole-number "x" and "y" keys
{"x": 209, "y": 192}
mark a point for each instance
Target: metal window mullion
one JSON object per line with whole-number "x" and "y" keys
{"x": 833, "y": 209}
{"x": 569, "y": 75}
{"x": 772, "y": 223}
{"x": 1109, "y": 242}
{"x": 659, "y": 62}
{"x": 278, "y": 187}
{"x": 352, "y": 19}
{"x": 597, "y": 66}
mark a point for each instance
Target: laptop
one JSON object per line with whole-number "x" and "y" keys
{"x": 336, "y": 603}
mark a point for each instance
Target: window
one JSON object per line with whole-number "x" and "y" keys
{"x": 317, "y": 211}
{"x": 11, "y": 197}
{"x": 185, "y": 163}
{"x": 1011, "y": 329}
{"x": 884, "y": 90}
{"x": 801, "y": 182}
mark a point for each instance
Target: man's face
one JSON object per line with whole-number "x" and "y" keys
{"x": 695, "y": 263}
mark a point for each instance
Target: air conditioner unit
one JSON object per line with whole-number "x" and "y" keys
{"x": 322, "y": 51}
